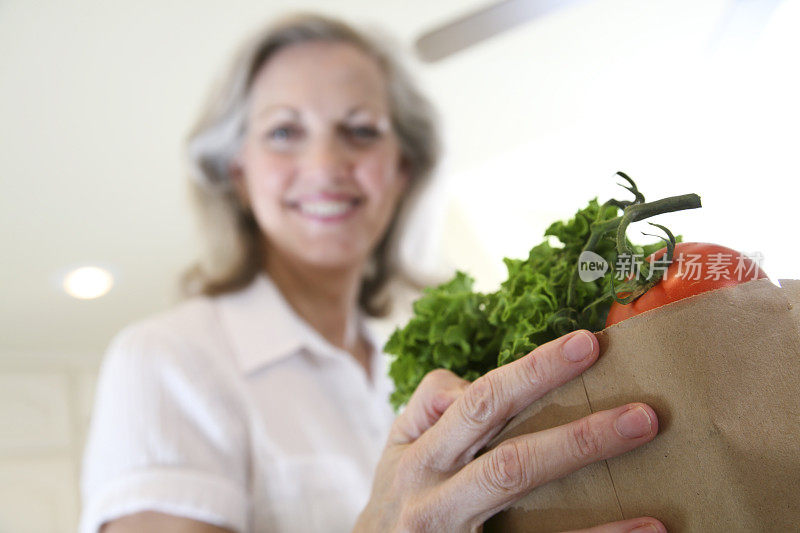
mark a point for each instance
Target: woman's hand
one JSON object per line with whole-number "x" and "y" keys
{"x": 428, "y": 478}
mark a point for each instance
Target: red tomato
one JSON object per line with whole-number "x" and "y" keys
{"x": 696, "y": 267}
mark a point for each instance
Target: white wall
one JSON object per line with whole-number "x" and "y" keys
{"x": 45, "y": 406}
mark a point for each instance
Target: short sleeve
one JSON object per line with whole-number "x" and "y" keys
{"x": 168, "y": 434}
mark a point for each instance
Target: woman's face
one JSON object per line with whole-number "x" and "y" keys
{"x": 320, "y": 163}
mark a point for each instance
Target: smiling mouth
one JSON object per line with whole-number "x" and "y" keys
{"x": 326, "y": 209}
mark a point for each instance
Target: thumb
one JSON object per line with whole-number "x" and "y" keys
{"x": 437, "y": 391}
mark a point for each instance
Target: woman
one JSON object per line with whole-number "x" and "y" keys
{"x": 262, "y": 404}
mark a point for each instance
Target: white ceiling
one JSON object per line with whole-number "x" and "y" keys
{"x": 96, "y": 98}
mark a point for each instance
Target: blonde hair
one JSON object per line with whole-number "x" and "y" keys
{"x": 233, "y": 253}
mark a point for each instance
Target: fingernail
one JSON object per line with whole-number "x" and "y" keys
{"x": 649, "y": 528}
{"x": 578, "y": 347}
{"x": 634, "y": 423}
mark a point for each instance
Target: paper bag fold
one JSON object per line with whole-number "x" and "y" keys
{"x": 722, "y": 372}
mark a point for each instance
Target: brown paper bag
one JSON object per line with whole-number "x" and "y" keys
{"x": 722, "y": 372}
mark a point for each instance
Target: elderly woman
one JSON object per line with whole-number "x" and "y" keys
{"x": 261, "y": 403}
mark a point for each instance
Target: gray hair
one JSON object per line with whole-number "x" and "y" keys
{"x": 233, "y": 253}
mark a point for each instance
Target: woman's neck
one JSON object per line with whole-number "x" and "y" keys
{"x": 327, "y": 299}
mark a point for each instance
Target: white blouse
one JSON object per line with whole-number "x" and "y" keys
{"x": 234, "y": 411}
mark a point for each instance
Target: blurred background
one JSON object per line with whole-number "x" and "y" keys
{"x": 540, "y": 101}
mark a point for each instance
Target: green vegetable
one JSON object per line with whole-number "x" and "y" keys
{"x": 471, "y": 333}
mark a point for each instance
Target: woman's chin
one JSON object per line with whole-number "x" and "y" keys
{"x": 333, "y": 259}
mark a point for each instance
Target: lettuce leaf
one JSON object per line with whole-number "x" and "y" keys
{"x": 471, "y": 333}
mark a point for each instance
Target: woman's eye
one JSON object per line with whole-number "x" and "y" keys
{"x": 283, "y": 133}
{"x": 363, "y": 133}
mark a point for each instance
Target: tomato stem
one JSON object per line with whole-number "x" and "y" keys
{"x": 637, "y": 212}
{"x": 633, "y": 211}
{"x": 638, "y": 288}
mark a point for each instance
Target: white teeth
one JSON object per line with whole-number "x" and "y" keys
{"x": 325, "y": 208}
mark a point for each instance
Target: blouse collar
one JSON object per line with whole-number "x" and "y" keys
{"x": 263, "y": 328}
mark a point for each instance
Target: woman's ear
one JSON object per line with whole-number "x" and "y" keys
{"x": 404, "y": 173}
{"x": 236, "y": 173}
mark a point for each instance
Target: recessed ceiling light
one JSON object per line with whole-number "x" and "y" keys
{"x": 88, "y": 282}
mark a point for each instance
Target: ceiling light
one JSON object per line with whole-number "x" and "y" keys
{"x": 88, "y": 282}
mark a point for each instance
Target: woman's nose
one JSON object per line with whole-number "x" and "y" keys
{"x": 326, "y": 159}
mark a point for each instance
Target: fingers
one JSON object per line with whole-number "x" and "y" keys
{"x": 497, "y": 478}
{"x": 437, "y": 391}
{"x": 643, "y": 524}
{"x": 487, "y": 404}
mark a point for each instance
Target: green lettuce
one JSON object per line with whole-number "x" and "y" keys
{"x": 471, "y": 333}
